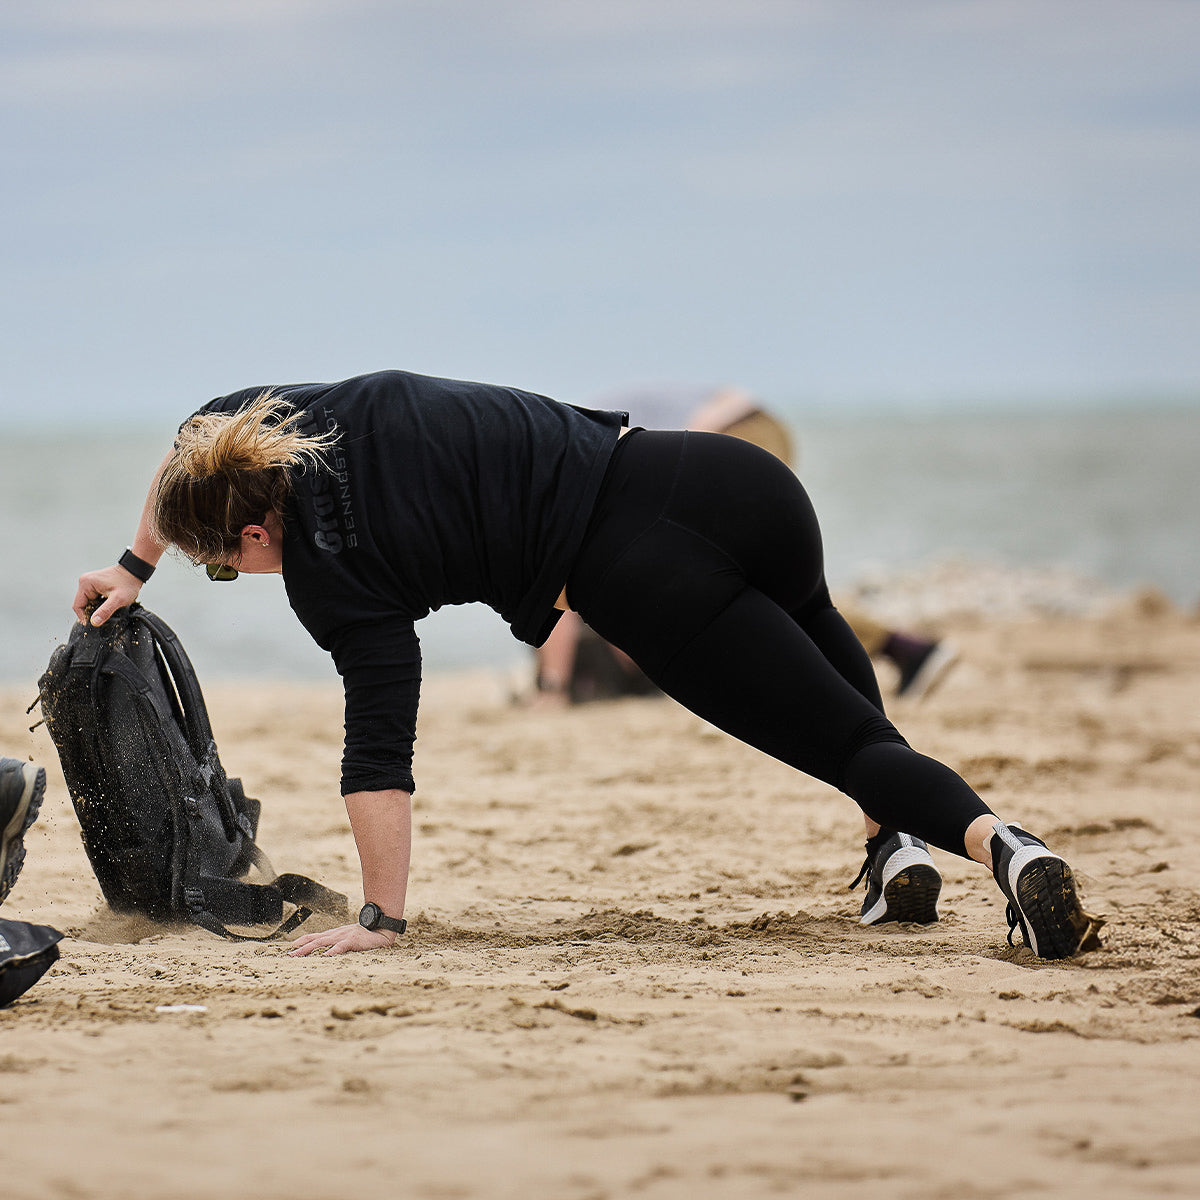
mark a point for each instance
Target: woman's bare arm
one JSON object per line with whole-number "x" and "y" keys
{"x": 114, "y": 585}
{"x": 382, "y": 825}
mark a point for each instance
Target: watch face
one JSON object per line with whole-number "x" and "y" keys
{"x": 368, "y": 918}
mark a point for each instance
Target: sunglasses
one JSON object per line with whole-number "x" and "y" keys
{"x": 220, "y": 573}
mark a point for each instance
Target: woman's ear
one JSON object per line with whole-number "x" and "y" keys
{"x": 257, "y": 534}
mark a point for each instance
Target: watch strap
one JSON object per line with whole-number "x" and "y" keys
{"x": 139, "y": 568}
{"x": 380, "y": 920}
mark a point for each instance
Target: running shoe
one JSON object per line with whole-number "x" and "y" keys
{"x": 921, "y": 674}
{"x": 1042, "y": 901}
{"x": 902, "y": 882}
{"x": 21, "y": 788}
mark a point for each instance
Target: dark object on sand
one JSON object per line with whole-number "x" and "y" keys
{"x": 27, "y": 952}
{"x": 168, "y": 833}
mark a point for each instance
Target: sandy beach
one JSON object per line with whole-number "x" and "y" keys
{"x": 634, "y": 968}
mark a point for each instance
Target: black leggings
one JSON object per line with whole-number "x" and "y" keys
{"x": 702, "y": 561}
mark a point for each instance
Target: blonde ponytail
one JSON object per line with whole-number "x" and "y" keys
{"x": 227, "y": 471}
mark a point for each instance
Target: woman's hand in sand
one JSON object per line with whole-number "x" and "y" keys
{"x": 114, "y": 585}
{"x": 342, "y": 940}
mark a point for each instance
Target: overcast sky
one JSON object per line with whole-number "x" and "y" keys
{"x": 823, "y": 200}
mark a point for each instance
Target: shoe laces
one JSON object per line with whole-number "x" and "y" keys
{"x": 873, "y": 844}
{"x": 866, "y": 867}
{"x": 1014, "y": 919}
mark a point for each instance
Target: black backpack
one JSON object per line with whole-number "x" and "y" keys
{"x": 168, "y": 833}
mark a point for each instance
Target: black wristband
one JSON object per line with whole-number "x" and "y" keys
{"x": 139, "y": 568}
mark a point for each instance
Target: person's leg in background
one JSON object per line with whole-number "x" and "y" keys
{"x": 921, "y": 663}
{"x": 574, "y": 665}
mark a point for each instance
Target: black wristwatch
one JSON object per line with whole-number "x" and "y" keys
{"x": 373, "y": 917}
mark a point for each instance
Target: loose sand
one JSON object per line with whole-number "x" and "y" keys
{"x": 634, "y": 969}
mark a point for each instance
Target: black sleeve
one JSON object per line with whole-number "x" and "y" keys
{"x": 380, "y": 663}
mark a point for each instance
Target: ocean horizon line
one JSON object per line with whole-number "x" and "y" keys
{"x": 965, "y": 406}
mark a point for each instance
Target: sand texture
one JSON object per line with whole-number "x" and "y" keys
{"x": 634, "y": 968}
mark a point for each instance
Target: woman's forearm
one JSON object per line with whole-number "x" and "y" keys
{"x": 382, "y": 826}
{"x": 144, "y": 545}
{"x": 101, "y": 593}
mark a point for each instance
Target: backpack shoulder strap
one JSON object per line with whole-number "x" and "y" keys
{"x": 197, "y": 728}
{"x": 183, "y": 676}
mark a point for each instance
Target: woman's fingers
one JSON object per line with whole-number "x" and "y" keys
{"x": 84, "y": 596}
{"x": 112, "y": 585}
{"x": 301, "y": 947}
{"x": 342, "y": 940}
{"x": 111, "y": 603}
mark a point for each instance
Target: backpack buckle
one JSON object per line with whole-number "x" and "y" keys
{"x": 194, "y": 898}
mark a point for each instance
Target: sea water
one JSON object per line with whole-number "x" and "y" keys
{"x": 1113, "y": 494}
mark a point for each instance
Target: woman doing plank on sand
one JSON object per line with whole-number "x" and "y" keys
{"x": 383, "y": 497}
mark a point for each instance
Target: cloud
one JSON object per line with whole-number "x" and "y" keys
{"x": 175, "y": 17}
{"x": 78, "y": 53}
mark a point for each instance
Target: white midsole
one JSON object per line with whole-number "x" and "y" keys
{"x": 29, "y": 773}
{"x": 909, "y": 856}
{"x": 902, "y": 860}
{"x": 1019, "y": 861}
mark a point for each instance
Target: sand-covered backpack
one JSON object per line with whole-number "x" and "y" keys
{"x": 168, "y": 833}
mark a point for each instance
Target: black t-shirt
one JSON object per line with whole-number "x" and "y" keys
{"x": 435, "y": 492}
